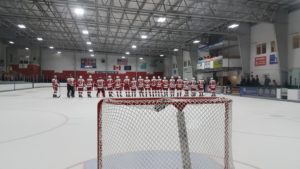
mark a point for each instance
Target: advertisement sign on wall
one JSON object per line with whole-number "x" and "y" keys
{"x": 217, "y": 63}
{"x": 260, "y": 61}
{"x": 122, "y": 61}
{"x": 127, "y": 67}
{"x": 273, "y": 59}
{"x": 88, "y": 63}
{"x": 211, "y": 63}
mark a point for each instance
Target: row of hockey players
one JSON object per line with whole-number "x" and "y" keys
{"x": 155, "y": 87}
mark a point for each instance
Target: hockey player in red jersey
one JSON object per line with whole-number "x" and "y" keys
{"x": 118, "y": 86}
{"x": 159, "y": 86}
{"x": 70, "y": 86}
{"x": 109, "y": 85}
{"x": 133, "y": 87}
{"x": 193, "y": 84}
{"x": 186, "y": 87}
{"x": 172, "y": 85}
{"x": 100, "y": 87}
{"x": 179, "y": 86}
{"x": 153, "y": 86}
{"x": 201, "y": 87}
{"x": 126, "y": 83}
{"x": 212, "y": 87}
{"x": 165, "y": 86}
{"x": 80, "y": 86}
{"x": 89, "y": 85}
{"x": 141, "y": 86}
{"x": 147, "y": 86}
{"x": 55, "y": 84}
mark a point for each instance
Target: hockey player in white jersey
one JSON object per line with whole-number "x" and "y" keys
{"x": 201, "y": 87}
{"x": 141, "y": 86}
{"x": 109, "y": 85}
{"x": 172, "y": 86}
{"x": 118, "y": 86}
{"x": 126, "y": 83}
{"x": 212, "y": 87}
{"x": 133, "y": 87}
{"x": 186, "y": 87}
{"x": 89, "y": 85}
{"x": 153, "y": 86}
{"x": 55, "y": 85}
{"x": 147, "y": 86}
{"x": 193, "y": 84}
{"x": 165, "y": 86}
{"x": 80, "y": 85}
{"x": 179, "y": 86}
{"x": 100, "y": 87}
{"x": 159, "y": 86}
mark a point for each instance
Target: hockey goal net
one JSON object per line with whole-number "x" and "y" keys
{"x": 155, "y": 133}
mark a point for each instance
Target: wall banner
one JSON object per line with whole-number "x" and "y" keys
{"x": 260, "y": 61}
{"x": 273, "y": 59}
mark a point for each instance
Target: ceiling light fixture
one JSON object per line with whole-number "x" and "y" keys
{"x": 161, "y": 19}
{"x": 144, "y": 36}
{"x": 123, "y": 57}
{"x": 127, "y": 53}
{"x": 133, "y": 46}
{"x": 232, "y": 26}
{"x": 58, "y": 52}
{"x": 85, "y": 32}
{"x": 39, "y": 39}
{"x": 88, "y": 43}
{"x": 141, "y": 58}
{"x": 91, "y": 50}
{"x": 79, "y": 11}
{"x": 11, "y": 42}
{"x": 175, "y": 50}
{"x": 92, "y": 55}
{"x": 21, "y": 26}
{"x": 161, "y": 55}
{"x": 196, "y": 41}
{"x": 51, "y": 47}
{"x": 26, "y": 48}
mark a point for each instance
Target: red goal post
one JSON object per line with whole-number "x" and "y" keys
{"x": 167, "y": 133}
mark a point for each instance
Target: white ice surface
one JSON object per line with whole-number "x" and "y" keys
{"x": 39, "y": 132}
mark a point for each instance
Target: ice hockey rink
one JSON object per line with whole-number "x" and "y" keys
{"x": 39, "y": 132}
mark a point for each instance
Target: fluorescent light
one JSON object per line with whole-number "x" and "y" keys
{"x": 175, "y": 50}
{"x": 79, "y": 11}
{"x": 11, "y": 42}
{"x": 39, "y": 39}
{"x": 92, "y": 55}
{"x": 232, "y": 26}
{"x": 144, "y": 36}
{"x": 21, "y": 26}
{"x": 161, "y": 55}
{"x": 91, "y": 50}
{"x": 26, "y": 48}
{"x": 127, "y": 53}
{"x": 88, "y": 43}
{"x": 85, "y": 32}
{"x": 58, "y": 52}
{"x": 51, "y": 47}
{"x": 141, "y": 58}
{"x": 161, "y": 19}
{"x": 123, "y": 57}
{"x": 133, "y": 46}
{"x": 196, "y": 41}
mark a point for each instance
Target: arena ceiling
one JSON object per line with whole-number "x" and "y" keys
{"x": 116, "y": 25}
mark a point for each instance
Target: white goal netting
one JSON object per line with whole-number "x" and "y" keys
{"x": 154, "y": 133}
